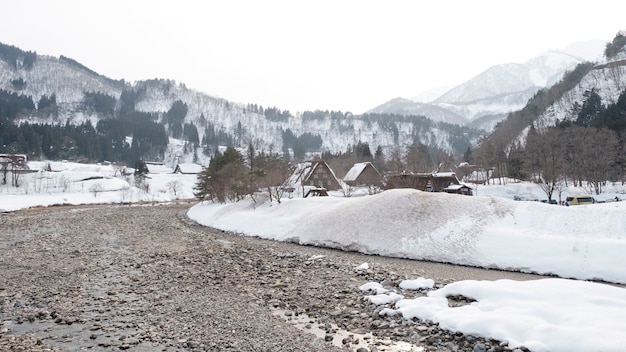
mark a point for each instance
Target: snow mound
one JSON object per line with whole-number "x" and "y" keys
{"x": 583, "y": 242}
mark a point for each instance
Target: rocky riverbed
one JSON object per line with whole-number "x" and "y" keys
{"x": 145, "y": 278}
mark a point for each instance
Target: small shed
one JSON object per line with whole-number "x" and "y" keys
{"x": 188, "y": 168}
{"x": 316, "y": 192}
{"x": 362, "y": 174}
{"x": 459, "y": 189}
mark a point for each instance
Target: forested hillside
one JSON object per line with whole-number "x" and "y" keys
{"x": 573, "y": 132}
{"x": 57, "y": 108}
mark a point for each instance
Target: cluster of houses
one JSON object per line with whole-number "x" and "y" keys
{"x": 315, "y": 177}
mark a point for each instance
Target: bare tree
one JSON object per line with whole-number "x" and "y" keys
{"x": 174, "y": 187}
{"x": 599, "y": 155}
{"x": 395, "y": 162}
{"x": 271, "y": 174}
{"x": 544, "y": 152}
{"x": 417, "y": 158}
{"x": 4, "y": 168}
{"x": 96, "y": 188}
{"x": 15, "y": 174}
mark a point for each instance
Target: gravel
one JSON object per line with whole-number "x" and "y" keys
{"x": 146, "y": 278}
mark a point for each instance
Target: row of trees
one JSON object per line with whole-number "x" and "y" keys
{"x": 578, "y": 155}
{"x": 415, "y": 157}
{"x": 558, "y": 156}
{"x": 12, "y": 55}
{"x": 588, "y": 145}
{"x": 233, "y": 176}
{"x": 106, "y": 141}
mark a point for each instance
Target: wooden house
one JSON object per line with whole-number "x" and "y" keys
{"x": 428, "y": 182}
{"x": 441, "y": 180}
{"x": 407, "y": 180}
{"x": 311, "y": 174}
{"x": 14, "y": 161}
{"x": 363, "y": 174}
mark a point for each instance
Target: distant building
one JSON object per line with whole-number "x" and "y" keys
{"x": 187, "y": 168}
{"x": 156, "y": 167}
{"x": 311, "y": 174}
{"x": 363, "y": 174}
{"x": 15, "y": 161}
{"x": 459, "y": 189}
{"x": 476, "y": 174}
{"x": 427, "y": 182}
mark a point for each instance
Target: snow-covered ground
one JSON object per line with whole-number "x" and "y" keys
{"x": 69, "y": 183}
{"x": 490, "y": 230}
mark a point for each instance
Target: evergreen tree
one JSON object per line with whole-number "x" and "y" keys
{"x": 226, "y": 178}
{"x": 591, "y": 109}
{"x": 467, "y": 156}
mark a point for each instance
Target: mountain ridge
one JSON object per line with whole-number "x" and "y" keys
{"x": 504, "y": 88}
{"x": 74, "y": 86}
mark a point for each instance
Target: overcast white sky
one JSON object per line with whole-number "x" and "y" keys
{"x": 332, "y": 55}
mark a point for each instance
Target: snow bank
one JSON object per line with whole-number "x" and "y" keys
{"x": 583, "y": 242}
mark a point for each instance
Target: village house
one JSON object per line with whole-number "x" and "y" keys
{"x": 14, "y": 161}
{"x": 311, "y": 174}
{"x": 427, "y": 182}
{"x": 363, "y": 174}
{"x": 188, "y": 169}
{"x": 476, "y": 174}
{"x": 157, "y": 167}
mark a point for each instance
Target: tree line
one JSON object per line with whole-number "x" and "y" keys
{"x": 83, "y": 142}
{"x": 232, "y": 176}
{"x": 586, "y": 150}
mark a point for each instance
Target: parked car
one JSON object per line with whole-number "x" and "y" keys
{"x": 552, "y": 201}
{"x": 579, "y": 200}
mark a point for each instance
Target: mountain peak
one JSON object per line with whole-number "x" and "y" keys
{"x": 590, "y": 50}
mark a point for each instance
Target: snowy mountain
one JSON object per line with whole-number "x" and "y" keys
{"x": 70, "y": 82}
{"x": 431, "y": 94}
{"x": 607, "y": 80}
{"x": 591, "y": 95}
{"x": 407, "y": 107}
{"x": 502, "y": 88}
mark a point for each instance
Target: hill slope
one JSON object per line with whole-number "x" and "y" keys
{"x": 500, "y": 89}
{"x": 239, "y": 124}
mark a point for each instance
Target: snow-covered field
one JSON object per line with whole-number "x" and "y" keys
{"x": 490, "y": 230}
{"x": 72, "y": 183}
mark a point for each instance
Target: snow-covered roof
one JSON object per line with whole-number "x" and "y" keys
{"x": 303, "y": 171}
{"x": 355, "y": 171}
{"x": 444, "y": 174}
{"x": 298, "y": 174}
{"x": 189, "y": 168}
{"x": 456, "y": 187}
{"x": 159, "y": 169}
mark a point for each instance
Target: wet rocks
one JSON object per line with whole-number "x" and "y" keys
{"x": 146, "y": 278}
